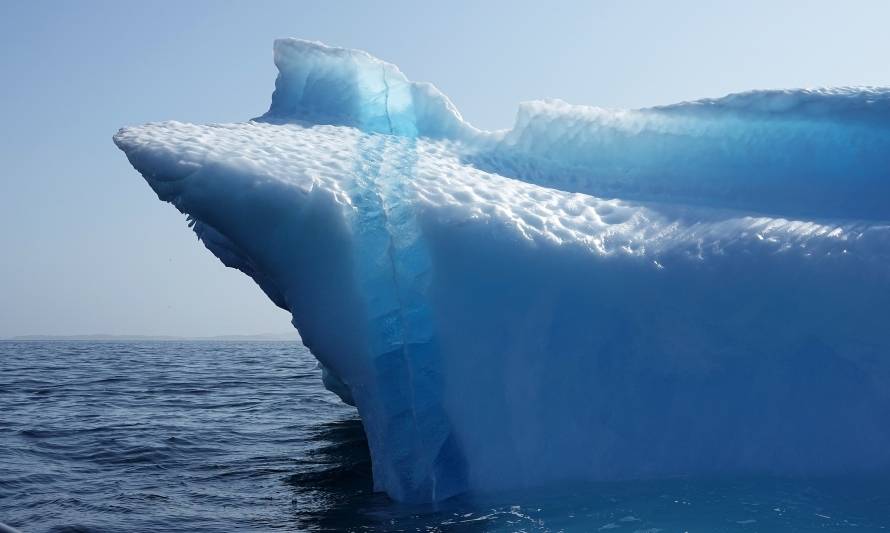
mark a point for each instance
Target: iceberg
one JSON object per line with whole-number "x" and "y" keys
{"x": 697, "y": 289}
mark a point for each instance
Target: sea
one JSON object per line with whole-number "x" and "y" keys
{"x": 207, "y": 436}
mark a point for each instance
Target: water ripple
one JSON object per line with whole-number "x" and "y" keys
{"x": 240, "y": 436}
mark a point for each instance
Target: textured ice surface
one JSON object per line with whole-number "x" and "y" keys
{"x": 695, "y": 289}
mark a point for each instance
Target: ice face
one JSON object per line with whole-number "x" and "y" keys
{"x": 803, "y": 153}
{"x": 319, "y": 84}
{"x": 695, "y": 289}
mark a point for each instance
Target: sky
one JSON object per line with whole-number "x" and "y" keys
{"x": 86, "y": 247}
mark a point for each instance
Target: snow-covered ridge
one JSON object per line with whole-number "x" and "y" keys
{"x": 691, "y": 289}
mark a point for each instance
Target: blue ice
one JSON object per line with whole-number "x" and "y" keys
{"x": 696, "y": 289}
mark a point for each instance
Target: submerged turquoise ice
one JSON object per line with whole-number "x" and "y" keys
{"x": 698, "y": 289}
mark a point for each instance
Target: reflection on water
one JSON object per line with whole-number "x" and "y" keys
{"x": 333, "y": 492}
{"x": 333, "y": 477}
{"x": 229, "y": 436}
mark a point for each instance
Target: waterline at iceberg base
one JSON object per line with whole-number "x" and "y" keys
{"x": 700, "y": 289}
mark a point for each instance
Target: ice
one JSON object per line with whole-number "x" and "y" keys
{"x": 319, "y": 84}
{"x": 812, "y": 153}
{"x": 698, "y": 289}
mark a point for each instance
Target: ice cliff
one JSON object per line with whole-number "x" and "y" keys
{"x": 696, "y": 289}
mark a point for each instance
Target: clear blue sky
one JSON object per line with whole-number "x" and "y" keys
{"x": 87, "y": 247}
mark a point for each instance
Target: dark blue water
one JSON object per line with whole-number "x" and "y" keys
{"x": 240, "y": 436}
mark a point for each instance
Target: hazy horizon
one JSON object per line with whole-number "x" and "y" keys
{"x": 87, "y": 246}
{"x": 283, "y": 335}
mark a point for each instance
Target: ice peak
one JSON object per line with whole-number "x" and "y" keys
{"x": 322, "y": 84}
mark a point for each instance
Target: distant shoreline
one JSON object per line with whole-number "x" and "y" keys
{"x": 267, "y": 337}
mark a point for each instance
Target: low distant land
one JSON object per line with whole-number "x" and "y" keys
{"x": 283, "y": 336}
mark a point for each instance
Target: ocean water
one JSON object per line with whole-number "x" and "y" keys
{"x": 241, "y": 436}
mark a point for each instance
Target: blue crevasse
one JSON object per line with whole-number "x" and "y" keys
{"x": 694, "y": 289}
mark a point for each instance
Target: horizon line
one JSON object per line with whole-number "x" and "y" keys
{"x": 283, "y": 336}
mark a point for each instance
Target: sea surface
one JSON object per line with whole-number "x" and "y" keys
{"x": 241, "y": 436}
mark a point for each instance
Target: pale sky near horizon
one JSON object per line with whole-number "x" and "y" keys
{"x": 88, "y": 248}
